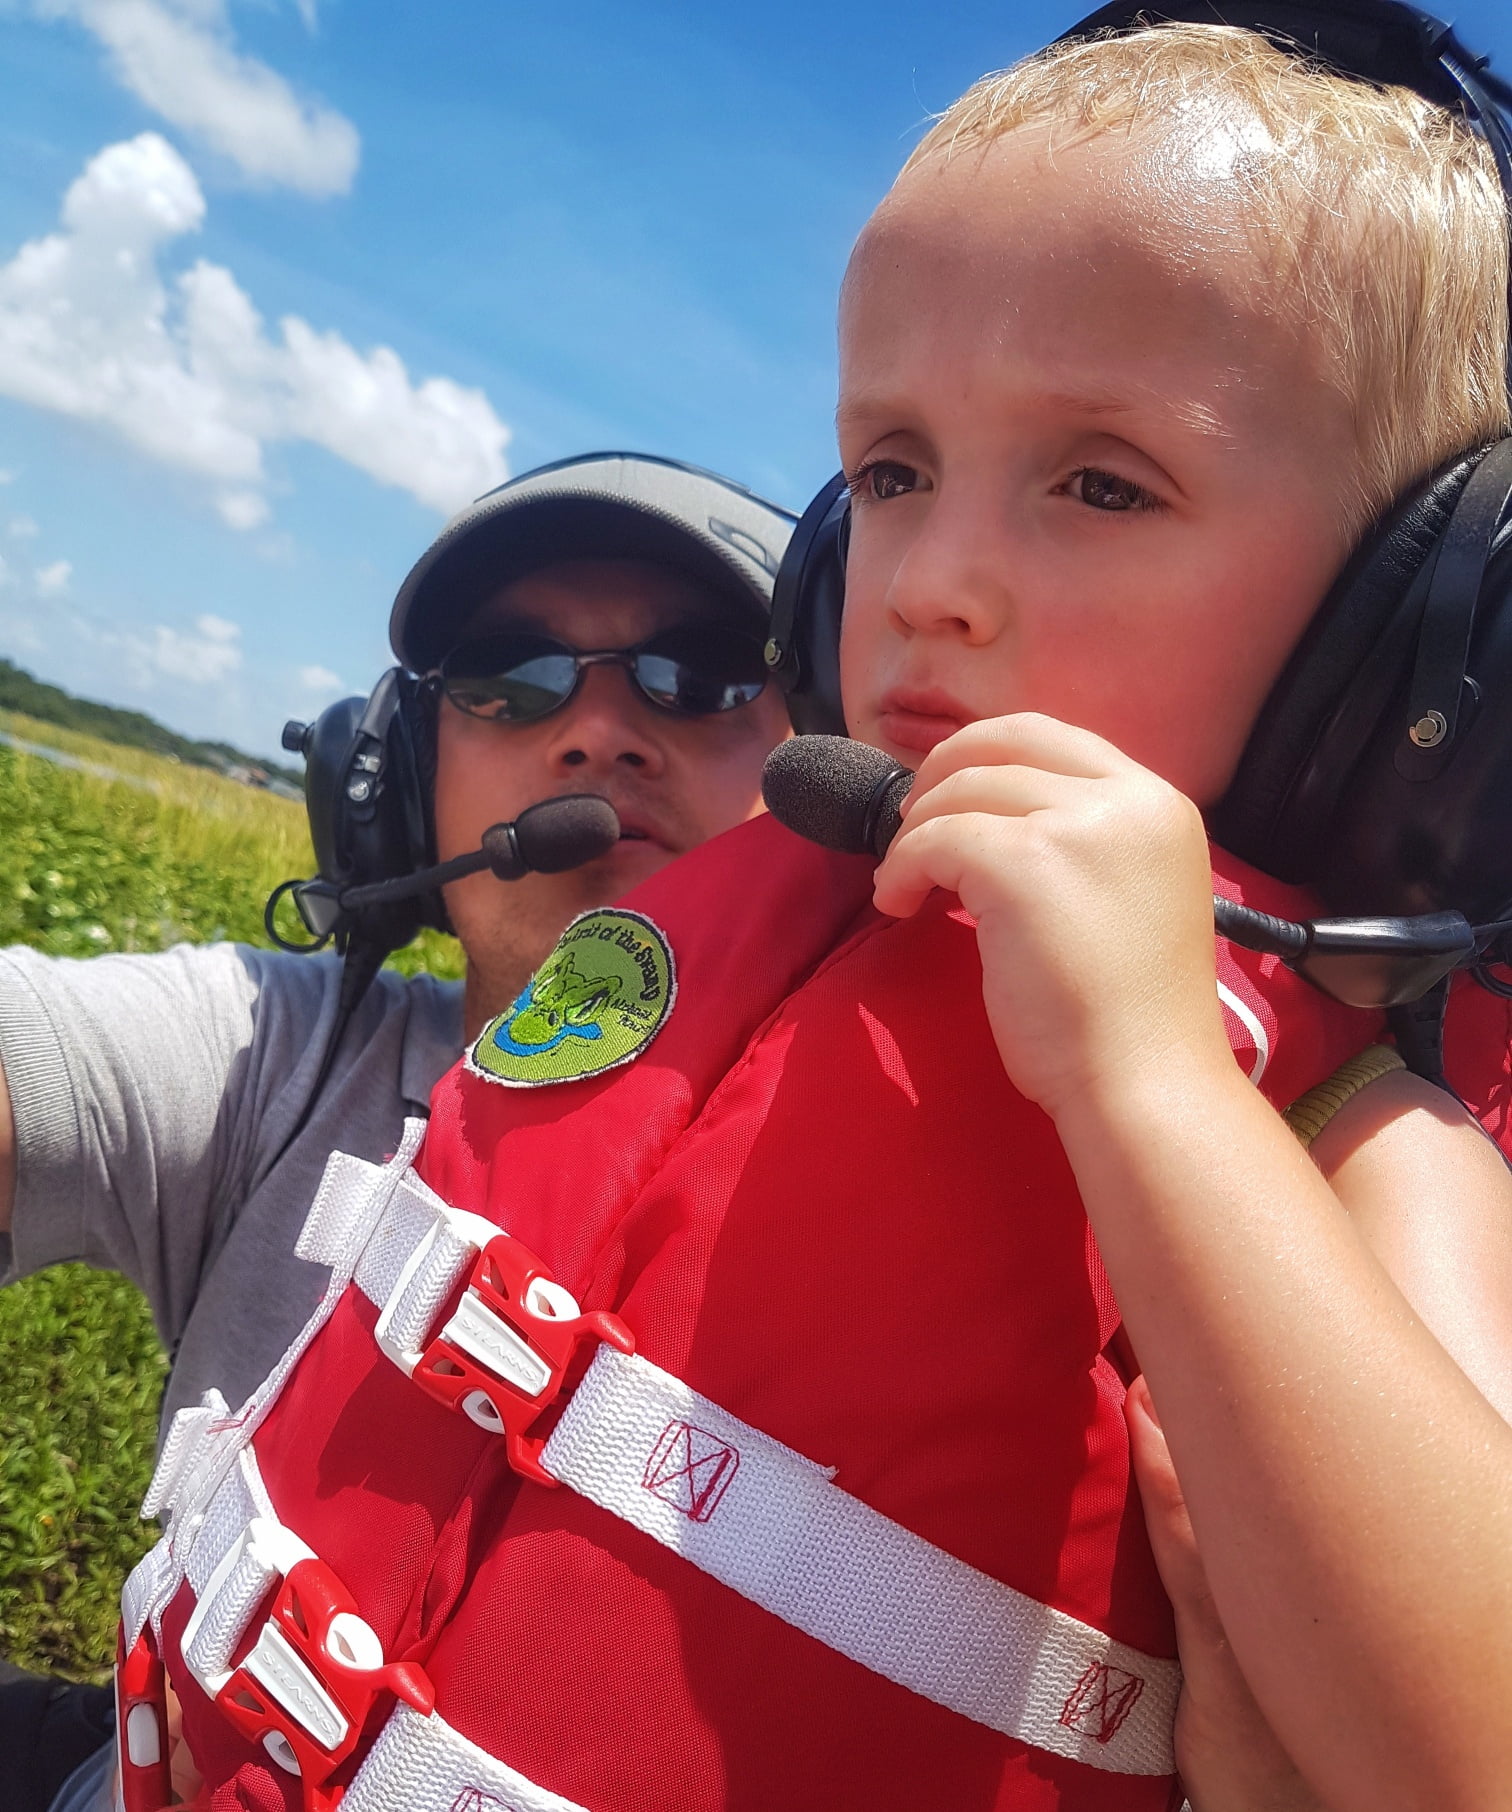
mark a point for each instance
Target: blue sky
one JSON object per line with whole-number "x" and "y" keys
{"x": 504, "y": 233}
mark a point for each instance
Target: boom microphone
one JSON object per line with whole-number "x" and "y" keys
{"x": 844, "y": 795}
{"x": 546, "y": 839}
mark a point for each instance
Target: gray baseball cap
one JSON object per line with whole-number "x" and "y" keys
{"x": 604, "y": 506}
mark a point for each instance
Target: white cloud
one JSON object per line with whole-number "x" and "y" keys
{"x": 19, "y": 633}
{"x": 185, "y": 369}
{"x": 113, "y": 658}
{"x": 208, "y": 654}
{"x": 242, "y": 509}
{"x": 321, "y": 680}
{"x": 52, "y": 580}
{"x": 178, "y": 58}
{"x": 22, "y": 528}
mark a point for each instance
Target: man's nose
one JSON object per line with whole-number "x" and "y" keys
{"x": 956, "y": 575}
{"x": 607, "y": 725}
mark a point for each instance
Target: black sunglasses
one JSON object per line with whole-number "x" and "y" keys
{"x": 519, "y": 677}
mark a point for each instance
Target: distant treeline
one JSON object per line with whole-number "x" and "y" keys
{"x": 19, "y": 691}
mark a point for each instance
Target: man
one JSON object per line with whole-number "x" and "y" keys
{"x": 594, "y": 626}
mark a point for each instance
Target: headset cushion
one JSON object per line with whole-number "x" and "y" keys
{"x": 1251, "y": 819}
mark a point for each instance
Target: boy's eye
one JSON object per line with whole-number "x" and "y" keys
{"x": 881, "y": 479}
{"x": 1106, "y": 491}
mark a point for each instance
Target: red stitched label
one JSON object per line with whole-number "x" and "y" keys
{"x": 1100, "y": 1701}
{"x": 690, "y": 1469}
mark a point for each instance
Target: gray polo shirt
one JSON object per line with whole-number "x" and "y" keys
{"x": 153, "y": 1096}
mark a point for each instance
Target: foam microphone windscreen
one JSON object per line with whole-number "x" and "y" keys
{"x": 845, "y": 795}
{"x": 564, "y": 833}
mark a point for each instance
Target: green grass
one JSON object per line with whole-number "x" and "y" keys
{"x": 166, "y": 853}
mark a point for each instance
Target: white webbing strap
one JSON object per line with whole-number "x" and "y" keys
{"x": 196, "y": 1542}
{"x": 423, "y": 1765}
{"x": 192, "y": 1435}
{"x": 414, "y": 1258}
{"x": 204, "y": 1443}
{"x": 769, "y": 1524}
{"x": 149, "y": 1585}
{"x": 230, "y": 1574}
{"x": 182, "y": 1484}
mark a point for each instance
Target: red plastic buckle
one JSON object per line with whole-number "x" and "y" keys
{"x": 142, "y": 1725}
{"x": 307, "y": 1686}
{"x": 503, "y": 1356}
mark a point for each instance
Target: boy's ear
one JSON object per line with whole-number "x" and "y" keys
{"x": 1332, "y": 788}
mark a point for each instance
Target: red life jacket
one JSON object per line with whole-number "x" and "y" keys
{"x": 854, "y": 1527}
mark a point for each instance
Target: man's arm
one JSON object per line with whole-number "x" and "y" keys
{"x": 134, "y": 1109}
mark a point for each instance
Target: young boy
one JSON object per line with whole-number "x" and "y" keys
{"x": 1129, "y": 358}
{"x": 1112, "y": 420}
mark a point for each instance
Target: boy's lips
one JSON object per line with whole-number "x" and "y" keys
{"x": 918, "y": 718}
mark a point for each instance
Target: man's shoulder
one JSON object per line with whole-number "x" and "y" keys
{"x": 431, "y": 1006}
{"x": 305, "y": 987}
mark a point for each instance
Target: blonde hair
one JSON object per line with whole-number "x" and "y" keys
{"x": 1380, "y": 215}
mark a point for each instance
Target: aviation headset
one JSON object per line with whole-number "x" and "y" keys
{"x": 1379, "y": 771}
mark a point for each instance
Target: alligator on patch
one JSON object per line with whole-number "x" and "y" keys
{"x": 561, "y": 1002}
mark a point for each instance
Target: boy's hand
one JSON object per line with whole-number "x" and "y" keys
{"x": 1090, "y": 883}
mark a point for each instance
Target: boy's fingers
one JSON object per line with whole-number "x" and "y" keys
{"x": 1166, "y": 1517}
{"x": 938, "y": 852}
{"x": 1008, "y": 791}
{"x": 1228, "y": 1754}
{"x": 1025, "y": 739}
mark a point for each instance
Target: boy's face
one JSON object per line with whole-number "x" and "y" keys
{"x": 1095, "y": 472}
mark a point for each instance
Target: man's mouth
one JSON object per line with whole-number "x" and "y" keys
{"x": 637, "y": 827}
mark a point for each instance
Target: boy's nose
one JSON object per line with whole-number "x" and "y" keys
{"x": 954, "y": 576}
{"x": 607, "y": 725}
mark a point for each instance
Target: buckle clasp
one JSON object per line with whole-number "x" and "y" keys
{"x": 307, "y": 1686}
{"x": 504, "y": 1355}
{"x": 142, "y": 1725}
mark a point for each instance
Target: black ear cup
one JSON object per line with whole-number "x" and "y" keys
{"x": 370, "y": 772}
{"x": 1347, "y": 783}
{"x": 1419, "y": 827}
{"x": 808, "y": 596}
{"x": 1330, "y": 696}
{"x": 411, "y": 747}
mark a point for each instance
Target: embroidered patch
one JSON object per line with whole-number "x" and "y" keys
{"x": 690, "y": 1469}
{"x": 1100, "y": 1701}
{"x": 596, "y": 1002}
